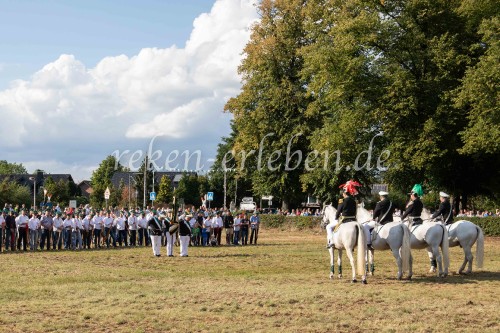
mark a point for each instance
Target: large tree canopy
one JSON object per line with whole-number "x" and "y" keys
{"x": 414, "y": 84}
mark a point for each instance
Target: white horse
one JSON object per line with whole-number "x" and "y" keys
{"x": 432, "y": 236}
{"x": 348, "y": 236}
{"x": 464, "y": 234}
{"x": 394, "y": 236}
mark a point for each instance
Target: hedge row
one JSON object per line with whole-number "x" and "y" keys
{"x": 490, "y": 225}
{"x": 284, "y": 222}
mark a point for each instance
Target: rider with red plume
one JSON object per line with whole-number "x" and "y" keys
{"x": 347, "y": 207}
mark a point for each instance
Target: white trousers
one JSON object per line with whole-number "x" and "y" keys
{"x": 367, "y": 226}
{"x": 184, "y": 245}
{"x": 170, "y": 244}
{"x": 156, "y": 244}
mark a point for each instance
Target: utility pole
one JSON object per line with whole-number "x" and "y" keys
{"x": 145, "y": 173}
{"x": 225, "y": 171}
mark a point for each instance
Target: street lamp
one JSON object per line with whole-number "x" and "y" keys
{"x": 34, "y": 191}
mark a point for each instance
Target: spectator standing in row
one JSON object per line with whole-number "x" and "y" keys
{"x": 228, "y": 226}
{"x": 237, "y": 225}
{"x": 22, "y": 230}
{"x": 57, "y": 231}
{"x": 10, "y": 231}
{"x": 132, "y": 226}
{"x": 244, "y": 229}
{"x": 33, "y": 225}
{"x": 254, "y": 226}
{"x": 2, "y": 227}
{"x": 46, "y": 224}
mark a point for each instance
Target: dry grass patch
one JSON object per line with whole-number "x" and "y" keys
{"x": 280, "y": 285}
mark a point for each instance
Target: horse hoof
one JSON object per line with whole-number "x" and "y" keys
{"x": 468, "y": 272}
{"x": 409, "y": 278}
{"x": 371, "y": 273}
{"x": 354, "y": 281}
{"x": 399, "y": 278}
{"x": 340, "y": 276}
{"x": 364, "y": 282}
{"x": 331, "y": 276}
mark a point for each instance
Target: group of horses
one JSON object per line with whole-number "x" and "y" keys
{"x": 400, "y": 237}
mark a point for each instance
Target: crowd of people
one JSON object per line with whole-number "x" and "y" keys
{"x": 478, "y": 213}
{"x": 87, "y": 228}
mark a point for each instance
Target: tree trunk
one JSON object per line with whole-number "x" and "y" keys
{"x": 284, "y": 205}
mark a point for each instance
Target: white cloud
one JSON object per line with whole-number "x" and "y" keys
{"x": 175, "y": 92}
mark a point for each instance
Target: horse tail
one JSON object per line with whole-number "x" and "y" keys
{"x": 361, "y": 249}
{"x": 445, "y": 245}
{"x": 405, "y": 248}
{"x": 479, "y": 248}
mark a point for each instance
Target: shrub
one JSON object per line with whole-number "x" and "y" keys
{"x": 490, "y": 225}
{"x": 283, "y": 222}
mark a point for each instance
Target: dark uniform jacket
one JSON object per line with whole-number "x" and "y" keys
{"x": 384, "y": 209}
{"x": 184, "y": 228}
{"x": 10, "y": 222}
{"x": 228, "y": 221}
{"x": 414, "y": 209}
{"x": 444, "y": 211}
{"x": 347, "y": 208}
{"x": 155, "y": 226}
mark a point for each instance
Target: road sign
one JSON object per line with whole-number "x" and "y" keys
{"x": 210, "y": 196}
{"x": 107, "y": 193}
{"x": 152, "y": 196}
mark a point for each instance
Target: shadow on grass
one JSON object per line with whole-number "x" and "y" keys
{"x": 460, "y": 279}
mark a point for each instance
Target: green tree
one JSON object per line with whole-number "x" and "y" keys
{"x": 189, "y": 189}
{"x": 165, "y": 192}
{"x": 273, "y": 101}
{"x": 101, "y": 179}
{"x": 11, "y": 168}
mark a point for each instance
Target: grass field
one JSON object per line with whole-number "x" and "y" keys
{"x": 280, "y": 285}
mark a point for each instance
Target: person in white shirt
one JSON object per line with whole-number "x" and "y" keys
{"x": 206, "y": 231}
{"x": 217, "y": 225}
{"x": 57, "y": 229}
{"x": 142, "y": 224}
{"x": 108, "y": 229}
{"x": 122, "y": 229}
{"x": 33, "y": 225}
{"x": 68, "y": 226}
{"x": 77, "y": 232}
{"x": 236, "y": 226}
{"x": 22, "y": 230}
{"x": 97, "y": 226}
{"x": 86, "y": 232}
{"x": 2, "y": 227}
{"x": 132, "y": 227}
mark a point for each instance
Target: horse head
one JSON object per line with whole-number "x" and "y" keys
{"x": 327, "y": 213}
{"x": 362, "y": 214}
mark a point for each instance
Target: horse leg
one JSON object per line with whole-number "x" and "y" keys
{"x": 399, "y": 262}
{"x": 410, "y": 269}
{"x": 437, "y": 255}
{"x": 432, "y": 258}
{"x": 339, "y": 262}
{"x": 351, "y": 260}
{"x": 371, "y": 260}
{"x": 332, "y": 262}
{"x": 468, "y": 257}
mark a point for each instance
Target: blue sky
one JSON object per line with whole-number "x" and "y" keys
{"x": 80, "y": 80}
{"x": 34, "y": 33}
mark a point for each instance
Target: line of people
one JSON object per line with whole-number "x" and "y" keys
{"x": 85, "y": 228}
